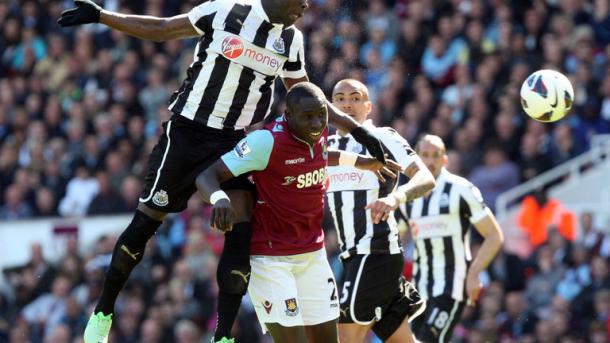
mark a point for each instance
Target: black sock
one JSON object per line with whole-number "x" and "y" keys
{"x": 128, "y": 252}
{"x": 113, "y": 284}
{"x": 228, "y": 306}
{"x": 236, "y": 251}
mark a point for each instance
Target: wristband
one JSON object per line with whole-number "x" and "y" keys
{"x": 347, "y": 159}
{"x": 218, "y": 195}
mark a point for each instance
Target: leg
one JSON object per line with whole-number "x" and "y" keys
{"x": 438, "y": 320}
{"x": 128, "y": 252}
{"x": 402, "y": 334}
{"x": 323, "y": 333}
{"x": 233, "y": 272}
{"x": 350, "y": 332}
{"x": 317, "y": 296}
{"x": 283, "y": 334}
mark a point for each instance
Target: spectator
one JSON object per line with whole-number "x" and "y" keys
{"x": 15, "y": 206}
{"x": 80, "y": 191}
{"x": 107, "y": 200}
{"x": 47, "y": 311}
{"x": 497, "y": 175}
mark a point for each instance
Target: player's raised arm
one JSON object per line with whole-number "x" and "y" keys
{"x": 362, "y": 135}
{"x": 144, "y": 27}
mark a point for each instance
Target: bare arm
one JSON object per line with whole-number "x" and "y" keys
{"x": 149, "y": 27}
{"x": 208, "y": 182}
{"x": 420, "y": 182}
{"x": 493, "y": 238}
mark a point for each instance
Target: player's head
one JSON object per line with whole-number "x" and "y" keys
{"x": 306, "y": 112}
{"x": 431, "y": 150}
{"x": 352, "y": 97}
{"x": 285, "y": 12}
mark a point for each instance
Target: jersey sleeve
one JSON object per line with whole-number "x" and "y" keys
{"x": 474, "y": 199}
{"x": 251, "y": 153}
{"x": 294, "y": 67}
{"x": 398, "y": 148}
{"x": 200, "y": 17}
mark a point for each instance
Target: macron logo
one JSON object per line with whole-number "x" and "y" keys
{"x": 295, "y": 161}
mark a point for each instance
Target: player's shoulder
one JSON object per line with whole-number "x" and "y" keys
{"x": 261, "y": 137}
{"x": 458, "y": 181}
{"x": 386, "y": 132}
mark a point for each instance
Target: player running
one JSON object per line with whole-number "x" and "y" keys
{"x": 440, "y": 223}
{"x": 292, "y": 286}
{"x": 375, "y": 296}
{"x": 243, "y": 46}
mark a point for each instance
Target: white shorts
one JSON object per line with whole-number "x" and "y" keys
{"x": 296, "y": 290}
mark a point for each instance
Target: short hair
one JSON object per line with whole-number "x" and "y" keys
{"x": 302, "y": 90}
{"x": 433, "y": 139}
{"x": 356, "y": 83}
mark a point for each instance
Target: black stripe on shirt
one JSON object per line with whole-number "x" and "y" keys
{"x": 213, "y": 88}
{"x": 193, "y": 72}
{"x": 449, "y": 264}
{"x": 338, "y": 202}
{"x": 359, "y": 215}
{"x": 430, "y": 255}
{"x": 287, "y": 36}
{"x": 464, "y": 216}
{"x": 240, "y": 97}
{"x": 425, "y": 205}
{"x": 263, "y": 103}
{"x": 235, "y": 18}
{"x": 262, "y": 34}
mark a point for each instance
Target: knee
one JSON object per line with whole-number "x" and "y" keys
{"x": 129, "y": 248}
{"x": 233, "y": 276}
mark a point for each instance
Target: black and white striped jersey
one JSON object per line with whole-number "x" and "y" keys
{"x": 229, "y": 84}
{"x": 440, "y": 224}
{"x": 352, "y": 189}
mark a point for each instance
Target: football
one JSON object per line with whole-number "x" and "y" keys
{"x": 547, "y": 95}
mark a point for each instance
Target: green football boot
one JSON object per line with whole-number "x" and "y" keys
{"x": 98, "y": 328}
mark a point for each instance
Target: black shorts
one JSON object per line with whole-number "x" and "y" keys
{"x": 438, "y": 320}
{"x": 372, "y": 292}
{"x": 184, "y": 150}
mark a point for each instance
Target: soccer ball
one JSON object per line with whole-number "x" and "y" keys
{"x": 547, "y": 95}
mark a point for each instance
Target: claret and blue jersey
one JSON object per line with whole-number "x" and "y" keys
{"x": 290, "y": 178}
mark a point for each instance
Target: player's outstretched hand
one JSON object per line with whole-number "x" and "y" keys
{"x": 370, "y": 142}
{"x": 388, "y": 168}
{"x": 222, "y": 215}
{"x": 85, "y": 12}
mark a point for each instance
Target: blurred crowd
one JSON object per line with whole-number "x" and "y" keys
{"x": 81, "y": 108}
